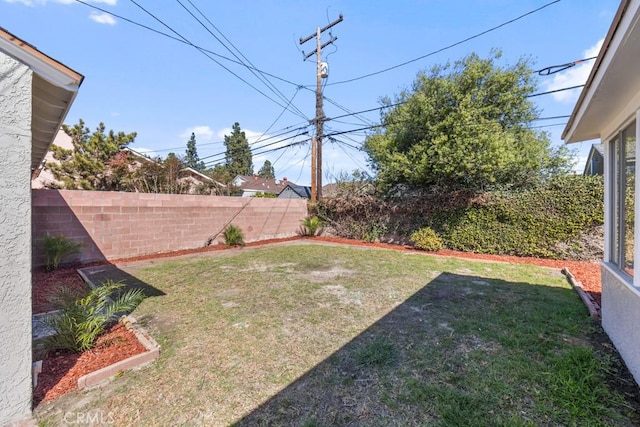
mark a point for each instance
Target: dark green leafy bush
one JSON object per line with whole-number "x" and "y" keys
{"x": 427, "y": 240}
{"x": 540, "y": 222}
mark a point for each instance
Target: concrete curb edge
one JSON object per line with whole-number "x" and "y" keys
{"x": 592, "y": 306}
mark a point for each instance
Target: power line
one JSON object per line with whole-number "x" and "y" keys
{"x": 551, "y": 118}
{"x": 222, "y": 155}
{"x": 446, "y": 47}
{"x": 554, "y": 91}
{"x": 146, "y": 27}
{"x": 345, "y": 109}
{"x": 210, "y": 57}
{"x": 255, "y": 142}
{"x": 404, "y": 102}
{"x": 546, "y": 71}
{"x": 304, "y": 160}
{"x": 548, "y": 126}
{"x": 260, "y": 77}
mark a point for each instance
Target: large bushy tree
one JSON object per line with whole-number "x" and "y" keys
{"x": 465, "y": 125}
{"x": 238, "y": 154}
{"x": 191, "y": 158}
{"x": 86, "y": 165}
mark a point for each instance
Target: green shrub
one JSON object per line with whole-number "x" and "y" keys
{"x": 310, "y": 226}
{"x": 233, "y": 236}
{"x": 262, "y": 195}
{"x": 82, "y": 319}
{"x": 530, "y": 223}
{"x": 427, "y": 240}
{"x": 58, "y": 247}
{"x": 541, "y": 221}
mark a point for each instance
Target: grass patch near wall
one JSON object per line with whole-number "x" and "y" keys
{"x": 317, "y": 335}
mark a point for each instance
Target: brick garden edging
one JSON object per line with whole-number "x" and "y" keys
{"x": 134, "y": 362}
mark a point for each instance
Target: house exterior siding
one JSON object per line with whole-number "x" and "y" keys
{"x": 609, "y": 109}
{"x": 15, "y": 240}
{"x": 621, "y": 317}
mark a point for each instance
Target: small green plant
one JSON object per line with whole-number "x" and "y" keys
{"x": 58, "y": 247}
{"x": 426, "y": 239}
{"x": 310, "y": 226}
{"x": 233, "y": 236}
{"x": 80, "y": 320}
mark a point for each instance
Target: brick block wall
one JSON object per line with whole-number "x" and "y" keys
{"x": 114, "y": 225}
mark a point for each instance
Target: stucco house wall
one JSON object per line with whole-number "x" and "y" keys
{"x": 15, "y": 240}
{"x": 36, "y": 92}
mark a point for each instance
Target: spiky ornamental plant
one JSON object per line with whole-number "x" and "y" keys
{"x": 58, "y": 247}
{"x": 310, "y": 226}
{"x": 233, "y": 235}
{"x": 82, "y": 319}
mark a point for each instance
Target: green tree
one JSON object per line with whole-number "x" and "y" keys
{"x": 466, "y": 125}
{"x": 267, "y": 171}
{"x": 191, "y": 158}
{"x": 87, "y": 165}
{"x": 238, "y": 154}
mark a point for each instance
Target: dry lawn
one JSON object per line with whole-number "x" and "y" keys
{"x": 317, "y": 335}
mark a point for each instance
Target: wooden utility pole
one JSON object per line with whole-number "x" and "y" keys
{"x": 316, "y": 143}
{"x": 314, "y": 176}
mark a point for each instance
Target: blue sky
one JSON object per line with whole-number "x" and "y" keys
{"x": 137, "y": 80}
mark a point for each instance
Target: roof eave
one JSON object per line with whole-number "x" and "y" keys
{"x": 569, "y": 132}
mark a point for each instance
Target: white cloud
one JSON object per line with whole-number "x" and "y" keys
{"x": 202, "y": 133}
{"x": 572, "y": 77}
{"x": 24, "y": 2}
{"x": 102, "y": 18}
{"x": 43, "y": 2}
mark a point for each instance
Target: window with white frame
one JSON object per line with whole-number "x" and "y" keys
{"x": 623, "y": 166}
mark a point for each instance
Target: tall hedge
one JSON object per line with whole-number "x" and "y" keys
{"x": 537, "y": 222}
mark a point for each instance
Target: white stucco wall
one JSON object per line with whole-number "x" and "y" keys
{"x": 621, "y": 317}
{"x": 15, "y": 240}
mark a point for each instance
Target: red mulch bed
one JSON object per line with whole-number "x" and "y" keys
{"x": 60, "y": 372}
{"x": 45, "y": 282}
{"x": 586, "y": 272}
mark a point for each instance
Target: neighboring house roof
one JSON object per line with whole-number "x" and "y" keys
{"x": 613, "y": 82}
{"x": 254, "y": 183}
{"x": 330, "y": 189}
{"x": 301, "y": 191}
{"x": 54, "y": 88}
{"x": 595, "y": 161}
{"x": 350, "y": 187}
{"x": 43, "y": 177}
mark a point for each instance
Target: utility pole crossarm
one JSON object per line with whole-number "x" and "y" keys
{"x": 322, "y": 30}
